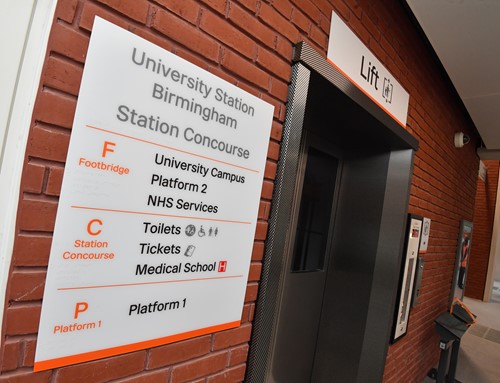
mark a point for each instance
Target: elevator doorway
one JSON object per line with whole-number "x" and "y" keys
{"x": 334, "y": 247}
{"x": 310, "y": 242}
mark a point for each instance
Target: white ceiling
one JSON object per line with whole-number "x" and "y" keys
{"x": 465, "y": 35}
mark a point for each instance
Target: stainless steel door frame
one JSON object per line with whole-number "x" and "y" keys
{"x": 310, "y": 73}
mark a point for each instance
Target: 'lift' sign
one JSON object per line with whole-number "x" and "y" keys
{"x": 348, "y": 54}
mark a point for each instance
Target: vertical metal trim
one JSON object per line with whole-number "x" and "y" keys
{"x": 263, "y": 336}
{"x": 387, "y": 269}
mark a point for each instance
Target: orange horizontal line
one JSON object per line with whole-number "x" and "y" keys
{"x": 147, "y": 283}
{"x": 107, "y": 352}
{"x": 172, "y": 148}
{"x": 159, "y": 214}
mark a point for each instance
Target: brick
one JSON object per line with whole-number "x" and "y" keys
{"x": 66, "y": 10}
{"x": 55, "y": 109}
{"x": 103, "y": 370}
{"x": 217, "y": 5}
{"x": 136, "y": 10}
{"x": 54, "y": 181}
{"x": 27, "y": 285}
{"x": 275, "y": 20}
{"x": 63, "y": 75}
{"x": 232, "y": 337}
{"x": 22, "y": 319}
{"x": 284, "y": 48}
{"x": 10, "y": 355}
{"x": 233, "y": 375}
{"x": 309, "y": 8}
{"x": 249, "y": 23}
{"x": 147, "y": 377}
{"x": 284, "y": 7}
{"x": 23, "y": 376}
{"x": 220, "y": 29}
{"x": 371, "y": 26}
{"x": 238, "y": 355}
{"x": 352, "y": 7}
{"x": 264, "y": 208}
{"x": 258, "y": 251}
{"x": 33, "y": 178}
{"x": 200, "y": 367}
{"x": 185, "y": 34}
{"x": 29, "y": 352}
{"x": 31, "y": 250}
{"x": 270, "y": 170}
{"x": 252, "y": 312}
{"x": 277, "y": 131}
{"x": 377, "y": 50}
{"x": 275, "y": 65}
{"x": 68, "y": 42}
{"x": 267, "y": 190}
{"x": 319, "y": 37}
{"x": 255, "y": 271}
{"x": 251, "y": 292}
{"x": 245, "y": 313}
{"x": 324, "y": 7}
{"x": 178, "y": 352}
{"x": 301, "y": 21}
{"x": 37, "y": 215}
{"x": 188, "y": 10}
{"x": 324, "y": 23}
{"x": 48, "y": 143}
{"x": 387, "y": 46}
{"x": 251, "y": 5}
{"x": 279, "y": 110}
{"x": 261, "y": 231}
{"x": 90, "y": 11}
{"x": 279, "y": 89}
{"x": 246, "y": 69}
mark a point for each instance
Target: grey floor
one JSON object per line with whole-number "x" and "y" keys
{"x": 479, "y": 357}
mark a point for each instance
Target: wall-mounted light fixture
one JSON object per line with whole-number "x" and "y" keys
{"x": 461, "y": 139}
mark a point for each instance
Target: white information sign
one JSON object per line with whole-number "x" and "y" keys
{"x": 424, "y": 242}
{"x": 158, "y": 208}
{"x": 348, "y": 54}
{"x": 483, "y": 171}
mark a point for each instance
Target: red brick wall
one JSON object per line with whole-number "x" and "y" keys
{"x": 248, "y": 43}
{"x": 484, "y": 214}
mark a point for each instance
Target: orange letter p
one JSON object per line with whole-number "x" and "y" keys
{"x": 80, "y": 308}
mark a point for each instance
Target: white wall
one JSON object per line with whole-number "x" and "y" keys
{"x": 496, "y": 275}
{"x": 24, "y": 31}
{"x": 495, "y": 257}
{"x": 494, "y": 260}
